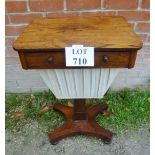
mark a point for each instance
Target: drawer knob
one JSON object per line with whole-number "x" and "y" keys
{"x": 50, "y": 59}
{"x": 105, "y": 59}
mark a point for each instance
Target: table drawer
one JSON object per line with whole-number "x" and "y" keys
{"x": 112, "y": 59}
{"x": 56, "y": 60}
{"x": 43, "y": 60}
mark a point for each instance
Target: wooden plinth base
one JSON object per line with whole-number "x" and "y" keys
{"x": 80, "y": 120}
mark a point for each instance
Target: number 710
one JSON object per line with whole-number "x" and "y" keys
{"x": 80, "y": 61}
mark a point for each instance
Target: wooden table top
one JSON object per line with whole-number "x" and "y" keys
{"x": 108, "y": 32}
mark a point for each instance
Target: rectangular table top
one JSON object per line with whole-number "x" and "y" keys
{"x": 106, "y": 32}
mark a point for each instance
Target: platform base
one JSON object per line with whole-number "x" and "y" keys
{"x": 80, "y": 120}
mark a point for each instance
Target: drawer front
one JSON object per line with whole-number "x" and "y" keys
{"x": 56, "y": 60}
{"x": 44, "y": 60}
{"x": 112, "y": 59}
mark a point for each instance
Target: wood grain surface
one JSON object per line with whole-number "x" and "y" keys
{"x": 40, "y": 60}
{"x": 100, "y": 32}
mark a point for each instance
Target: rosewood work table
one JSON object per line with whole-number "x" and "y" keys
{"x": 112, "y": 44}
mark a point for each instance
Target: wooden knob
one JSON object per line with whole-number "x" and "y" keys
{"x": 105, "y": 59}
{"x": 50, "y": 59}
